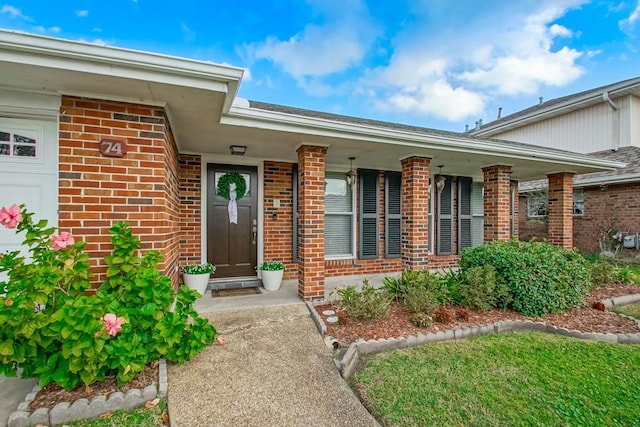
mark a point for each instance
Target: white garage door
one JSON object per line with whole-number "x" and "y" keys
{"x": 28, "y": 171}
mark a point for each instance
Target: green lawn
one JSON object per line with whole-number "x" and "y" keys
{"x": 518, "y": 379}
{"x": 138, "y": 417}
{"x": 632, "y": 310}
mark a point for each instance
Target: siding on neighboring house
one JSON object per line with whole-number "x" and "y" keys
{"x": 585, "y": 130}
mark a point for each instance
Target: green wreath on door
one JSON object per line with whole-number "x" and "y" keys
{"x": 232, "y": 178}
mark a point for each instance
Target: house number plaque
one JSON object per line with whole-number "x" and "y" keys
{"x": 113, "y": 147}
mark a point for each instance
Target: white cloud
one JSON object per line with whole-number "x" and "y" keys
{"x": 14, "y": 12}
{"x": 50, "y": 30}
{"x": 82, "y": 13}
{"x": 321, "y": 49}
{"x": 450, "y": 71}
{"x": 628, "y": 24}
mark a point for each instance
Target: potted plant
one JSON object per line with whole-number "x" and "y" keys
{"x": 272, "y": 272}
{"x": 196, "y": 276}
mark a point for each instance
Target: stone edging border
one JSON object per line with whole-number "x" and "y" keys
{"x": 347, "y": 361}
{"x": 85, "y": 408}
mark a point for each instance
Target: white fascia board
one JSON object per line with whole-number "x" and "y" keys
{"x": 85, "y": 57}
{"x": 539, "y": 115}
{"x": 273, "y": 120}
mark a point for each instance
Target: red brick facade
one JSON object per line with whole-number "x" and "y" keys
{"x": 415, "y": 213}
{"x": 497, "y": 216}
{"x": 140, "y": 188}
{"x": 611, "y": 207}
{"x": 278, "y": 229}
{"x": 159, "y": 192}
{"x": 561, "y": 209}
{"x": 190, "y": 209}
{"x": 311, "y": 173}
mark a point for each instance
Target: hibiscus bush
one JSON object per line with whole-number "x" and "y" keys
{"x": 56, "y": 327}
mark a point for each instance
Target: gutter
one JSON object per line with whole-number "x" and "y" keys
{"x": 271, "y": 120}
{"x": 591, "y": 97}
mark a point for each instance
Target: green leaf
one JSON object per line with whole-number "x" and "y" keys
{"x": 6, "y": 348}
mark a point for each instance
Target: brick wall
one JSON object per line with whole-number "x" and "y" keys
{"x": 190, "y": 209}
{"x": 613, "y": 207}
{"x": 560, "y": 222}
{"x": 497, "y": 224}
{"x": 311, "y": 173}
{"x": 141, "y": 188}
{"x": 415, "y": 213}
{"x": 278, "y": 232}
{"x": 530, "y": 227}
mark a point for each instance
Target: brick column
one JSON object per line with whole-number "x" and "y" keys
{"x": 561, "y": 209}
{"x": 497, "y": 187}
{"x": 311, "y": 171}
{"x": 516, "y": 209}
{"x": 415, "y": 213}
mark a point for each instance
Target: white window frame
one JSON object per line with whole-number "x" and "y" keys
{"x": 352, "y": 214}
{"x": 576, "y": 200}
{"x": 34, "y": 131}
{"x": 545, "y": 194}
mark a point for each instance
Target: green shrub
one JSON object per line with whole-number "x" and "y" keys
{"x": 603, "y": 272}
{"x": 481, "y": 290}
{"x": 421, "y": 320}
{"x": 51, "y": 329}
{"x": 421, "y": 299}
{"x": 541, "y": 278}
{"x": 411, "y": 280}
{"x": 453, "y": 281}
{"x": 369, "y": 303}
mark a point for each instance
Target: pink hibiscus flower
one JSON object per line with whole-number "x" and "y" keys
{"x": 113, "y": 323}
{"x": 62, "y": 241}
{"x": 10, "y": 217}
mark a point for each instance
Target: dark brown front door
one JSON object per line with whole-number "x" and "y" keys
{"x": 232, "y": 248}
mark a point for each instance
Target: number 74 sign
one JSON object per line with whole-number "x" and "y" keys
{"x": 113, "y": 147}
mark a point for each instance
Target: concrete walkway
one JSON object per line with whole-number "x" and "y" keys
{"x": 12, "y": 393}
{"x": 273, "y": 370}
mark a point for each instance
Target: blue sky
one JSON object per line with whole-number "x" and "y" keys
{"x": 433, "y": 63}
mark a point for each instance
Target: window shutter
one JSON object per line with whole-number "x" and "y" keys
{"x": 392, "y": 214}
{"x": 464, "y": 213}
{"x": 445, "y": 218}
{"x": 513, "y": 199}
{"x": 368, "y": 182}
{"x": 477, "y": 212}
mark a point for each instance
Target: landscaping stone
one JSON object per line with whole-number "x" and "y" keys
{"x": 539, "y": 327}
{"x": 83, "y": 408}
{"x": 629, "y": 338}
{"x": 412, "y": 341}
{"x": 626, "y": 299}
{"x": 18, "y": 419}
{"x": 461, "y": 333}
{"x": 333, "y": 319}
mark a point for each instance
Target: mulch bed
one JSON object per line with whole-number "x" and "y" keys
{"x": 52, "y": 394}
{"x": 397, "y": 322}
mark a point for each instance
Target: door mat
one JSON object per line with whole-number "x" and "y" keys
{"x": 221, "y": 293}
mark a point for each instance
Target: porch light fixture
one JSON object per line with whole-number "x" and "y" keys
{"x": 440, "y": 180}
{"x": 238, "y": 150}
{"x": 351, "y": 175}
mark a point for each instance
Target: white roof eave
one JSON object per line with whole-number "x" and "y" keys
{"x": 279, "y": 121}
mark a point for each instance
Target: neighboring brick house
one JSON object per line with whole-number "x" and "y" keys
{"x": 603, "y": 122}
{"x": 91, "y": 135}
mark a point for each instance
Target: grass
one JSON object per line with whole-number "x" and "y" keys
{"x": 632, "y": 310}
{"x": 518, "y": 379}
{"x": 137, "y": 417}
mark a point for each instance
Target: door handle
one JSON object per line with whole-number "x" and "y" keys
{"x": 255, "y": 233}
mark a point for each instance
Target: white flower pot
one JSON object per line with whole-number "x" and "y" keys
{"x": 197, "y": 282}
{"x": 271, "y": 279}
